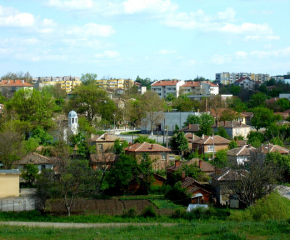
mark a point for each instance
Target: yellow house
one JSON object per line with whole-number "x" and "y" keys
{"x": 9, "y": 183}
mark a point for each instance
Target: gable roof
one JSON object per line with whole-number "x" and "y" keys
{"x": 191, "y": 137}
{"x": 231, "y": 175}
{"x": 274, "y": 148}
{"x": 104, "y": 137}
{"x": 188, "y": 181}
{"x": 103, "y": 158}
{"x": 205, "y": 166}
{"x": 34, "y": 158}
{"x": 165, "y": 83}
{"x": 241, "y": 151}
{"x": 230, "y": 124}
{"x": 217, "y": 140}
{"x": 246, "y": 114}
{"x": 146, "y": 147}
{"x": 14, "y": 83}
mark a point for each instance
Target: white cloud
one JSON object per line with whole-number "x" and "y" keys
{"x": 9, "y": 17}
{"x": 133, "y": 6}
{"x": 91, "y": 29}
{"x": 70, "y": 5}
{"x": 240, "y": 55}
{"x": 247, "y": 28}
{"x": 221, "y": 59}
{"x": 108, "y": 54}
{"x": 5, "y": 51}
{"x": 164, "y": 52}
{"x": 262, "y": 37}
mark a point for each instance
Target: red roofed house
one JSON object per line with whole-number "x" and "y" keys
{"x": 246, "y": 83}
{"x": 165, "y": 87}
{"x": 104, "y": 142}
{"x": 9, "y": 87}
{"x": 200, "y": 88}
{"x": 157, "y": 153}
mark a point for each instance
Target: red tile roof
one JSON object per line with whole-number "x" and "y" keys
{"x": 207, "y": 140}
{"x": 14, "y": 83}
{"x": 191, "y": 84}
{"x": 166, "y": 83}
{"x": 146, "y": 147}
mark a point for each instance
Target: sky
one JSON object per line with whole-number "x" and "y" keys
{"x": 159, "y": 39}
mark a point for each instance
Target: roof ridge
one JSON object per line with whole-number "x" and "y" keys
{"x": 139, "y": 146}
{"x": 242, "y": 148}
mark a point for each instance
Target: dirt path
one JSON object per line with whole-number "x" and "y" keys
{"x": 83, "y": 225}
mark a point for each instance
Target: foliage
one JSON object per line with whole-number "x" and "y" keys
{"x": 170, "y": 97}
{"x": 121, "y": 173}
{"x": 86, "y": 127}
{"x": 258, "y": 100}
{"x": 221, "y": 159}
{"x": 165, "y": 204}
{"x": 149, "y": 211}
{"x": 277, "y": 141}
{"x": 11, "y": 148}
{"x": 222, "y": 132}
{"x": 255, "y": 138}
{"x": 177, "y": 194}
{"x": 119, "y": 146}
{"x": 263, "y": 117}
{"x": 233, "y": 144}
{"x": 83, "y": 147}
{"x": 29, "y": 173}
{"x": 238, "y": 105}
{"x": 179, "y": 142}
{"x": 229, "y": 115}
{"x": 270, "y": 207}
{"x": 191, "y": 119}
{"x": 142, "y": 139}
{"x": 283, "y": 161}
{"x": 31, "y": 144}
{"x": 146, "y": 171}
{"x": 191, "y": 170}
{"x": 89, "y": 78}
{"x": 183, "y": 104}
{"x": 43, "y": 137}
{"x": 206, "y": 121}
{"x": 146, "y": 82}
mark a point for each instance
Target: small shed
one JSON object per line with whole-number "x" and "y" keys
{"x": 9, "y": 183}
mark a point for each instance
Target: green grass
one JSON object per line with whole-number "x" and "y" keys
{"x": 166, "y": 204}
{"x": 196, "y": 230}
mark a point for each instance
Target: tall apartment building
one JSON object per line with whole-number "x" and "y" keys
{"x": 165, "y": 87}
{"x": 67, "y": 83}
{"x": 115, "y": 84}
{"x": 226, "y": 78}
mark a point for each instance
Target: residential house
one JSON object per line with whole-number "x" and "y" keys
{"x": 233, "y": 128}
{"x": 226, "y": 78}
{"x": 157, "y": 153}
{"x": 268, "y": 148}
{"x": 9, "y": 87}
{"x": 246, "y": 83}
{"x": 102, "y": 161}
{"x": 199, "y": 192}
{"x": 191, "y": 137}
{"x": 103, "y": 142}
{"x": 210, "y": 144}
{"x": 9, "y": 183}
{"x": 199, "y": 88}
{"x": 42, "y": 162}
{"x": 245, "y": 117}
{"x": 240, "y": 155}
{"x": 165, "y": 87}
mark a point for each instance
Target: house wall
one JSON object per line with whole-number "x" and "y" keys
{"x": 204, "y": 148}
{"x": 201, "y": 201}
{"x": 39, "y": 166}
{"x": 9, "y": 185}
{"x": 105, "y": 146}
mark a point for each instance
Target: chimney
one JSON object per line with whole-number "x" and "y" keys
{"x": 200, "y": 164}
{"x": 240, "y": 123}
{"x": 197, "y": 127}
{"x": 152, "y": 146}
{"x": 189, "y": 126}
{"x": 182, "y": 176}
{"x": 202, "y": 137}
{"x": 92, "y": 135}
{"x": 177, "y": 163}
{"x": 106, "y": 136}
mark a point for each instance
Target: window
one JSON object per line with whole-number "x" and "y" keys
{"x": 100, "y": 147}
{"x": 210, "y": 148}
{"x": 144, "y": 156}
{"x": 42, "y": 167}
{"x": 76, "y": 120}
{"x": 163, "y": 156}
{"x": 72, "y": 120}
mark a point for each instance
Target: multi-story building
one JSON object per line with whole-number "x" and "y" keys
{"x": 200, "y": 88}
{"x": 226, "y": 78}
{"x": 115, "y": 84}
{"x": 165, "y": 87}
{"x": 9, "y": 87}
{"x": 67, "y": 83}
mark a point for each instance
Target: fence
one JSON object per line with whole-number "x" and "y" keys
{"x": 17, "y": 205}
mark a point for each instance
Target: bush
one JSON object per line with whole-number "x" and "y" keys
{"x": 131, "y": 213}
{"x": 149, "y": 211}
{"x": 179, "y": 213}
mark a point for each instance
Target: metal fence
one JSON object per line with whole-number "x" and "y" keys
{"x": 17, "y": 205}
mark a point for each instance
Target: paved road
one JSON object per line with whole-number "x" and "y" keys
{"x": 83, "y": 225}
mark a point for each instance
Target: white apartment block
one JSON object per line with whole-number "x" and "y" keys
{"x": 226, "y": 78}
{"x": 165, "y": 87}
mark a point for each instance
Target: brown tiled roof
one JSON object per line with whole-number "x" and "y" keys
{"x": 104, "y": 137}
{"x": 146, "y": 147}
{"x": 137, "y": 83}
{"x": 241, "y": 151}
{"x": 191, "y": 84}
{"x": 241, "y": 142}
{"x": 274, "y": 148}
{"x": 103, "y": 158}
{"x": 230, "y": 124}
{"x": 14, "y": 83}
{"x": 246, "y": 114}
{"x": 231, "y": 175}
{"x": 287, "y": 111}
{"x": 34, "y": 158}
{"x": 190, "y": 162}
{"x": 188, "y": 181}
{"x": 272, "y": 100}
{"x": 207, "y": 140}
{"x": 191, "y": 137}
{"x": 166, "y": 83}
{"x": 205, "y": 166}
{"x": 244, "y": 78}
{"x": 190, "y": 128}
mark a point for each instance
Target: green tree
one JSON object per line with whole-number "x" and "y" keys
{"x": 31, "y": 144}
{"x": 89, "y": 78}
{"x": 177, "y": 193}
{"x": 170, "y": 97}
{"x": 222, "y": 132}
{"x": 233, "y": 144}
{"x": 238, "y": 105}
{"x": 179, "y": 142}
{"x": 258, "y": 100}
{"x": 183, "y": 104}
{"x": 44, "y": 138}
{"x": 191, "y": 119}
{"x": 283, "y": 103}
{"x": 119, "y": 146}
{"x": 221, "y": 159}
{"x": 263, "y": 117}
{"x": 142, "y": 139}
{"x": 206, "y": 121}
{"x": 255, "y": 139}
{"x": 146, "y": 170}
{"x": 83, "y": 147}
{"x": 29, "y": 173}
{"x": 235, "y": 90}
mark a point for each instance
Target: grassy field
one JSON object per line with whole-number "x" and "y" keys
{"x": 272, "y": 230}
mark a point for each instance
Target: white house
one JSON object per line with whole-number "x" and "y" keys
{"x": 200, "y": 88}
{"x": 165, "y": 87}
{"x": 240, "y": 155}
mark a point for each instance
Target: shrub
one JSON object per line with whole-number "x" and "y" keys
{"x": 179, "y": 213}
{"x": 131, "y": 213}
{"x": 149, "y": 211}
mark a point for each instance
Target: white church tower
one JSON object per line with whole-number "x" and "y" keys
{"x": 73, "y": 122}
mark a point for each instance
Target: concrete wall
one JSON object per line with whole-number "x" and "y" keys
{"x": 9, "y": 185}
{"x": 170, "y": 119}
